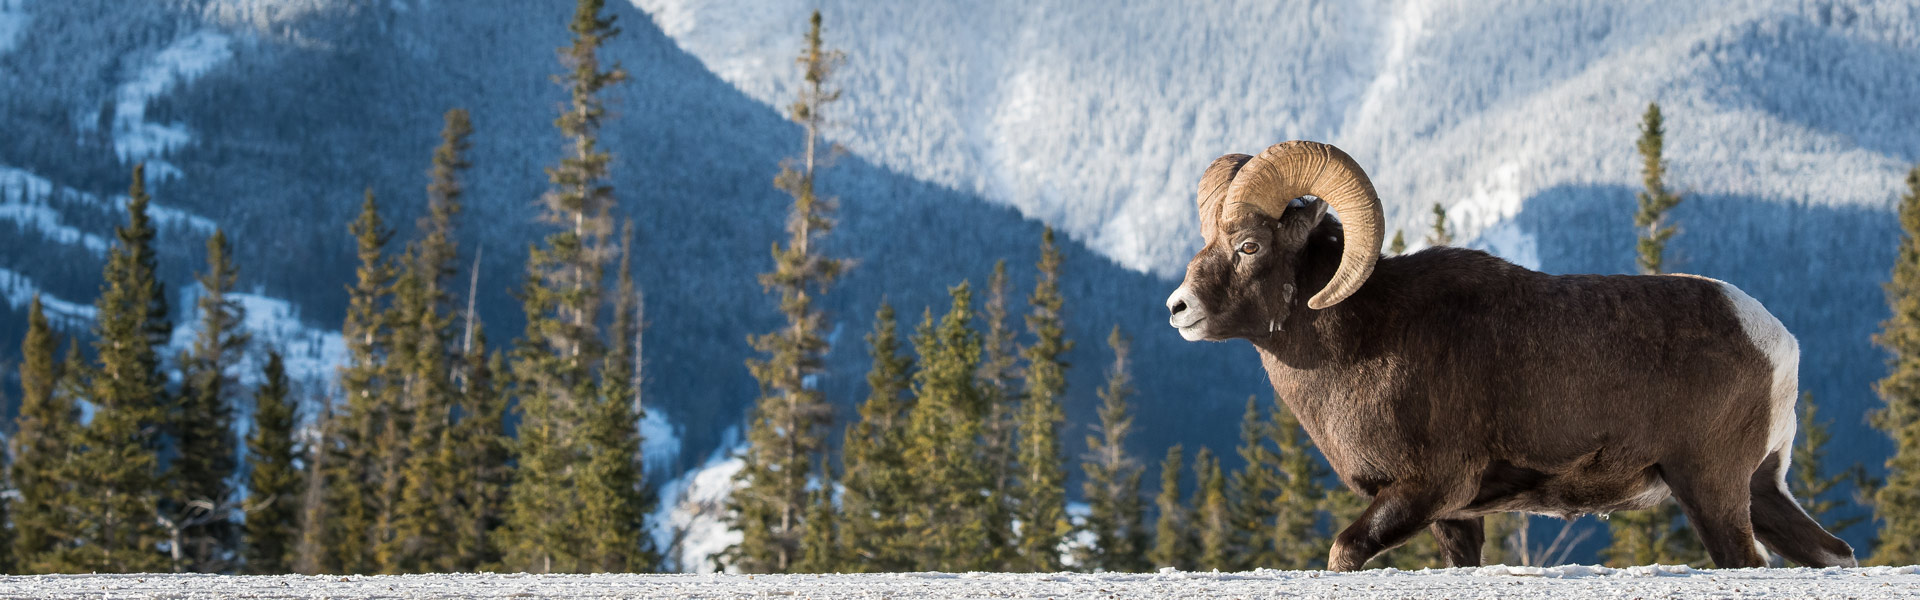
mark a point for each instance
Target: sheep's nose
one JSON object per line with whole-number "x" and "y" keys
{"x": 1179, "y": 305}
{"x": 1183, "y": 309}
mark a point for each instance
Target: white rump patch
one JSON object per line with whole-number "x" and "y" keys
{"x": 1782, "y": 350}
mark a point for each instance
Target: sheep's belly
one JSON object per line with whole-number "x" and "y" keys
{"x": 1567, "y": 495}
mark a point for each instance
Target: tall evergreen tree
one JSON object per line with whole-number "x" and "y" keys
{"x": 877, "y": 479}
{"x": 199, "y": 496}
{"x": 554, "y": 361}
{"x": 1655, "y": 201}
{"x": 1652, "y": 535}
{"x": 614, "y": 500}
{"x": 116, "y": 470}
{"x": 951, "y": 503}
{"x": 1042, "y": 493}
{"x": 1297, "y": 541}
{"x": 347, "y": 517}
{"x": 1212, "y": 513}
{"x": 1116, "y": 515}
{"x": 1173, "y": 546}
{"x": 1255, "y": 493}
{"x": 1900, "y": 390}
{"x": 787, "y": 427}
{"x": 820, "y": 544}
{"x": 273, "y": 482}
{"x": 1439, "y": 236}
{"x": 483, "y": 451}
{"x": 1809, "y": 480}
{"x": 42, "y": 446}
{"x": 1001, "y": 392}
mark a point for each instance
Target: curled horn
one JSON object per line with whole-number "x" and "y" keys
{"x": 1213, "y": 191}
{"x": 1290, "y": 170}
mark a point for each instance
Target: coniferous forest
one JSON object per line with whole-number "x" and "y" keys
{"x": 441, "y": 445}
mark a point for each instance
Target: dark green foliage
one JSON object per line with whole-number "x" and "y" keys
{"x": 198, "y": 498}
{"x": 999, "y": 371}
{"x": 787, "y": 427}
{"x": 1255, "y": 493}
{"x": 878, "y": 483}
{"x": 1041, "y": 493}
{"x": 1656, "y": 200}
{"x": 1116, "y": 515}
{"x": 820, "y": 544}
{"x": 1173, "y": 546}
{"x": 345, "y": 520}
{"x": 1900, "y": 334}
{"x": 482, "y": 451}
{"x": 1439, "y": 236}
{"x": 1502, "y": 545}
{"x": 115, "y": 472}
{"x": 614, "y": 502}
{"x": 950, "y": 507}
{"x": 1298, "y": 542}
{"x": 42, "y": 448}
{"x": 1807, "y": 478}
{"x": 1212, "y": 514}
{"x": 274, "y": 485}
{"x": 1398, "y": 245}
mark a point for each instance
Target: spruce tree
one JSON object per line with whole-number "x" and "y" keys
{"x": 1212, "y": 514}
{"x": 1399, "y": 244}
{"x": 555, "y": 359}
{"x": 198, "y": 502}
{"x": 788, "y": 424}
{"x": 1439, "y": 236}
{"x": 1172, "y": 544}
{"x": 1000, "y": 390}
{"x": 1655, "y": 201}
{"x": 348, "y": 515}
{"x": 1297, "y": 541}
{"x": 116, "y": 472}
{"x": 877, "y": 480}
{"x": 1116, "y": 515}
{"x": 820, "y": 544}
{"x": 1808, "y": 481}
{"x": 1041, "y": 493}
{"x": 948, "y": 519}
{"x": 1900, "y": 334}
{"x": 1255, "y": 493}
{"x": 273, "y": 483}
{"x": 42, "y": 447}
{"x": 483, "y": 451}
{"x": 614, "y": 500}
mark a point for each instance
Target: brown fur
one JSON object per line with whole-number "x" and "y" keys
{"x": 1454, "y": 384}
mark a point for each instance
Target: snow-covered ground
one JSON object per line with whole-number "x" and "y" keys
{"x": 1559, "y": 583}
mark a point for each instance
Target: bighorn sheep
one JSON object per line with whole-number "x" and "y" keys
{"x": 1450, "y": 384}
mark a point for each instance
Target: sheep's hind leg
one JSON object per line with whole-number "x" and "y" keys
{"x": 1718, "y": 505}
{"x": 1786, "y": 529}
{"x": 1460, "y": 540}
{"x": 1397, "y": 513}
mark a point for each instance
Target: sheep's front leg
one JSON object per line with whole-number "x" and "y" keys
{"x": 1397, "y": 513}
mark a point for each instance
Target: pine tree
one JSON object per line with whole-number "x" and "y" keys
{"x": 483, "y": 452}
{"x": 273, "y": 484}
{"x": 1652, "y": 535}
{"x": 42, "y": 446}
{"x": 1255, "y": 493}
{"x": 116, "y": 471}
{"x": 820, "y": 544}
{"x": 1297, "y": 541}
{"x": 1808, "y": 481}
{"x": 948, "y": 516}
{"x": 1399, "y": 244}
{"x": 614, "y": 501}
{"x": 1439, "y": 236}
{"x": 314, "y": 551}
{"x": 1172, "y": 545}
{"x": 1116, "y": 516}
{"x": 1655, "y": 201}
{"x": 1212, "y": 514}
{"x": 787, "y": 428}
{"x": 198, "y": 501}
{"x": 1041, "y": 493}
{"x": 1900, "y": 418}
{"x": 348, "y": 515}
{"x": 555, "y": 359}
{"x": 998, "y": 372}
{"x": 877, "y": 480}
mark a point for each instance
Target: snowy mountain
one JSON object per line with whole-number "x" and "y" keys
{"x": 967, "y": 126}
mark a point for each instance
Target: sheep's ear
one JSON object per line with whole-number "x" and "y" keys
{"x": 1302, "y": 215}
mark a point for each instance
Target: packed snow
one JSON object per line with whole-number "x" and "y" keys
{"x": 1098, "y": 120}
{"x": 1555, "y": 583}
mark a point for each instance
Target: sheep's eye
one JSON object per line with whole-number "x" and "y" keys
{"x": 1249, "y": 248}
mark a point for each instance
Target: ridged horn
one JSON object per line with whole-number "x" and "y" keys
{"x": 1290, "y": 170}
{"x": 1213, "y": 191}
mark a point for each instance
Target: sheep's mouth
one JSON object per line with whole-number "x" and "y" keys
{"x": 1194, "y": 331}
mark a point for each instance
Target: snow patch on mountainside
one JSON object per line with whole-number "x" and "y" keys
{"x": 29, "y": 201}
{"x": 661, "y": 447}
{"x": 690, "y": 525}
{"x": 13, "y": 23}
{"x": 18, "y": 290}
{"x": 134, "y": 138}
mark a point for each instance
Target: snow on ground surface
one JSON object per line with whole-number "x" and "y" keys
{"x": 1558, "y": 583}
